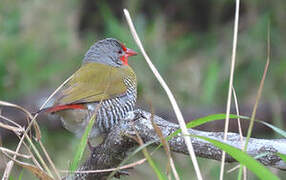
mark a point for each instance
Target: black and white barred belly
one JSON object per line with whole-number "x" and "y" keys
{"x": 111, "y": 111}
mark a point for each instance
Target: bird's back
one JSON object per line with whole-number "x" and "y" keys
{"x": 110, "y": 92}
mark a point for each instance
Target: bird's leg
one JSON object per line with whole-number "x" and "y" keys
{"x": 135, "y": 115}
{"x": 91, "y": 148}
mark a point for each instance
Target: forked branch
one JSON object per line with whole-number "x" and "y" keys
{"x": 118, "y": 142}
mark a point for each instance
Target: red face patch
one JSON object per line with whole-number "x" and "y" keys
{"x": 124, "y": 59}
{"x": 127, "y": 53}
{"x": 123, "y": 47}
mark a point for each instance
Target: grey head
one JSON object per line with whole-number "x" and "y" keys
{"x": 108, "y": 51}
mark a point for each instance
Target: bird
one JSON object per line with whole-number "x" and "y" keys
{"x": 104, "y": 85}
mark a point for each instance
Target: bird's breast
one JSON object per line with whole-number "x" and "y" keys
{"x": 109, "y": 112}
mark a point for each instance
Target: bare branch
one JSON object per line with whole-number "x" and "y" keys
{"x": 118, "y": 142}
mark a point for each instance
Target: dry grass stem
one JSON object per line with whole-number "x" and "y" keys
{"x": 50, "y": 160}
{"x": 239, "y": 128}
{"x": 52, "y": 95}
{"x": 15, "y": 156}
{"x": 258, "y": 96}
{"x": 7, "y": 171}
{"x": 146, "y": 153}
{"x": 234, "y": 46}
{"x": 33, "y": 121}
{"x": 38, "y": 155}
{"x": 8, "y": 151}
{"x": 259, "y": 93}
{"x": 12, "y": 122}
{"x": 4, "y": 103}
{"x": 238, "y": 116}
{"x": 36, "y": 115}
{"x": 166, "y": 148}
{"x": 12, "y": 128}
{"x": 32, "y": 155}
{"x": 139, "y": 162}
{"x": 169, "y": 93}
{"x": 33, "y": 169}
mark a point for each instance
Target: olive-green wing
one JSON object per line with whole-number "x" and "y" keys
{"x": 94, "y": 82}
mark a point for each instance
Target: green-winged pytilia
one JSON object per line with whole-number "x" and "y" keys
{"x": 104, "y": 78}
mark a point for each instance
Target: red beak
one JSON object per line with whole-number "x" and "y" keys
{"x": 130, "y": 52}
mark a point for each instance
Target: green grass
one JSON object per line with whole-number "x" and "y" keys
{"x": 257, "y": 168}
{"x": 82, "y": 145}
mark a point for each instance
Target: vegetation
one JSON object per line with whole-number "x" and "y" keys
{"x": 43, "y": 42}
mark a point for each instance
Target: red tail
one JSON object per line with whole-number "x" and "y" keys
{"x": 62, "y": 107}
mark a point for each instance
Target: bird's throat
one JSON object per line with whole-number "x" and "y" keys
{"x": 124, "y": 59}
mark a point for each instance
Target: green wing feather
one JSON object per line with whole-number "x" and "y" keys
{"x": 94, "y": 82}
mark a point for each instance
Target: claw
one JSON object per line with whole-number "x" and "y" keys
{"x": 139, "y": 114}
{"x": 135, "y": 115}
{"x": 120, "y": 173}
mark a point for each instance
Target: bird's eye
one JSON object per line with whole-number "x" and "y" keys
{"x": 120, "y": 52}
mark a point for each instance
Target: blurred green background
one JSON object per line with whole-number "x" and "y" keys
{"x": 190, "y": 42}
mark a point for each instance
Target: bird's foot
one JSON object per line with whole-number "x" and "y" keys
{"x": 135, "y": 115}
{"x": 139, "y": 114}
{"x": 122, "y": 173}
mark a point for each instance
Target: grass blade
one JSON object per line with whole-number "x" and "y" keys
{"x": 256, "y": 167}
{"x": 152, "y": 163}
{"x": 276, "y": 129}
{"x": 131, "y": 155}
{"x": 203, "y": 120}
{"x": 82, "y": 144}
{"x": 282, "y": 156}
{"x": 21, "y": 174}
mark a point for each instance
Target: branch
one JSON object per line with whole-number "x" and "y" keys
{"x": 113, "y": 150}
